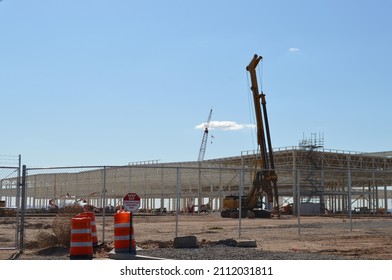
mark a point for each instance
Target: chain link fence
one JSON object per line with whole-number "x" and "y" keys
{"x": 170, "y": 196}
{"x": 185, "y": 200}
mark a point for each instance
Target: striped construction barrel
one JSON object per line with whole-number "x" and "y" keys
{"x": 81, "y": 246}
{"x": 94, "y": 235}
{"x": 124, "y": 240}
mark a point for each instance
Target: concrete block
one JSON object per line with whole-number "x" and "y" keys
{"x": 185, "y": 242}
{"x": 246, "y": 243}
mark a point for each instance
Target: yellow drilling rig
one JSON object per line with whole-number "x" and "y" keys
{"x": 264, "y": 178}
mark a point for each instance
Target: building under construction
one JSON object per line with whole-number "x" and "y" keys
{"x": 324, "y": 180}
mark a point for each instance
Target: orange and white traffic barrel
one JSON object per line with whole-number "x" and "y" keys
{"x": 94, "y": 235}
{"x": 81, "y": 242}
{"x": 124, "y": 240}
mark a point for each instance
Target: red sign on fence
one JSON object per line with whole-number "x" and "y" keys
{"x": 131, "y": 202}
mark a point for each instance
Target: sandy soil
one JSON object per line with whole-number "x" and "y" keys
{"x": 359, "y": 238}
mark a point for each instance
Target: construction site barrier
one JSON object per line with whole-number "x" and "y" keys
{"x": 81, "y": 246}
{"x": 124, "y": 237}
{"x": 94, "y": 236}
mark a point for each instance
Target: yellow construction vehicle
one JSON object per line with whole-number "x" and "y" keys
{"x": 265, "y": 178}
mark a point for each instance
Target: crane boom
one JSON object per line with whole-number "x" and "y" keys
{"x": 203, "y": 145}
{"x": 265, "y": 176}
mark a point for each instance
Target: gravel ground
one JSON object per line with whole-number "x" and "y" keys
{"x": 204, "y": 252}
{"x": 223, "y": 252}
{"x": 319, "y": 238}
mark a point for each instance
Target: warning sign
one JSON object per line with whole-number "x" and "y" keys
{"x": 131, "y": 202}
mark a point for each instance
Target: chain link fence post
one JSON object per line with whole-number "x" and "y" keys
{"x": 298, "y": 201}
{"x": 22, "y": 210}
{"x": 103, "y": 195}
{"x": 349, "y": 202}
{"x": 241, "y": 193}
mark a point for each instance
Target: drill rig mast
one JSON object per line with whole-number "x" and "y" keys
{"x": 265, "y": 178}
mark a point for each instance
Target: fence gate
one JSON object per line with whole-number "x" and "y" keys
{"x": 10, "y": 201}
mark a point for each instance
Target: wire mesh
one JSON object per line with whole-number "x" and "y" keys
{"x": 187, "y": 200}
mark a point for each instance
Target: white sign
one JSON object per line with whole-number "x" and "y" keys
{"x": 131, "y": 202}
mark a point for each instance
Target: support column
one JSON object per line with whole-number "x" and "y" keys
{"x": 162, "y": 189}
{"x": 385, "y": 198}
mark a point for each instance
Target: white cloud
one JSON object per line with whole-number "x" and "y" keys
{"x": 225, "y": 125}
{"x": 294, "y": 49}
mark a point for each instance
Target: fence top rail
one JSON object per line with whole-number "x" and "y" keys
{"x": 81, "y": 169}
{"x": 159, "y": 166}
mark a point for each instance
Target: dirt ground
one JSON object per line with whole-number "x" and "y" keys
{"x": 367, "y": 238}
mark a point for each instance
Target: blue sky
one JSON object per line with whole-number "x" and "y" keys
{"x": 112, "y": 82}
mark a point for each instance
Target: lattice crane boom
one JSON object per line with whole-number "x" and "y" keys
{"x": 203, "y": 145}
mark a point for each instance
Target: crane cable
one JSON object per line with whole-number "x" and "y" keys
{"x": 260, "y": 77}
